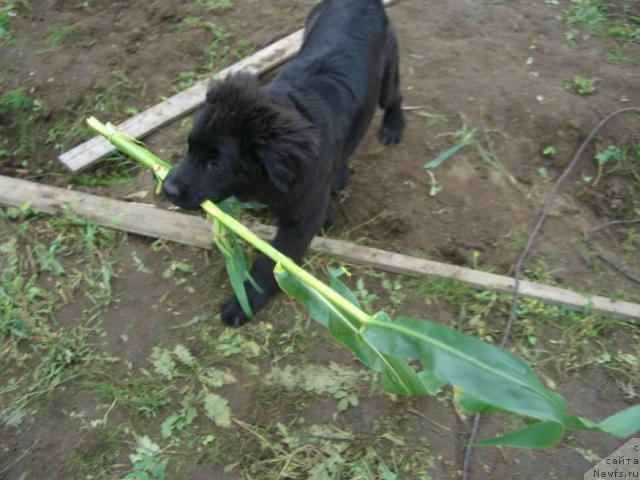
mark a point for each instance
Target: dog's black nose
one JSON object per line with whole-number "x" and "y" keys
{"x": 171, "y": 189}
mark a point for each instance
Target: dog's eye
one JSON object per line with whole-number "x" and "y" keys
{"x": 213, "y": 166}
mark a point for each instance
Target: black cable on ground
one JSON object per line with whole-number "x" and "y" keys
{"x": 525, "y": 253}
{"x": 606, "y": 259}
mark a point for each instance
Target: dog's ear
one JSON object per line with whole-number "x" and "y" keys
{"x": 286, "y": 145}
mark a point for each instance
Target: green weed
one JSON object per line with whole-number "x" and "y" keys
{"x": 39, "y": 260}
{"x": 624, "y": 31}
{"x": 187, "y": 79}
{"x": 323, "y": 451}
{"x": 209, "y": 5}
{"x": 142, "y": 397}
{"x": 587, "y": 12}
{"x": 58, "y": 36}
{"x": 115, "y": 169}
{"x": 108, "y": 103}
{"x": 7, "y": 12}
{"x": 581, "y": 85}
{"x": 549, "y": 151}
{"x": 467, "y": 136}
{"x": 98, "y": 454}
{"x": 148, "y": 463}
{"x": 23, "y": 111}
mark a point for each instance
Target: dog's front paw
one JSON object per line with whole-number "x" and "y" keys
{"x": 232, "y": 314}
{"x": 390, "y": 134}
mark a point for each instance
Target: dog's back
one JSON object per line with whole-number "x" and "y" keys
{"x": 339, "y": 66}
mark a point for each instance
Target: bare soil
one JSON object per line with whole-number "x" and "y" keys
{"x": 500, "y": 67}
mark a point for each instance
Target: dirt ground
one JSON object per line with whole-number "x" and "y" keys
{"x": 502, "y": 70}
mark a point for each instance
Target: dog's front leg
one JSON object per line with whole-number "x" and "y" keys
{"x": 292, "y": 240}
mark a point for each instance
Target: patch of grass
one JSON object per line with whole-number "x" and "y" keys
{"x": 187, "y": 79}
{"x": 591, "y": 13}
{"x": 323, "y": 451}
{"x": 210, "y": 5}
{"x": 624, "y": 31}
{"x": 99, "y": 453}
{"x": 58, "y": 36}
{"x": 116, "y": 169}
{"x": 616, "y": 55}
{"x": 45, "y": 261}
{"x": 581, "y": 85}
{"x": 217, "y": 53}
{"x": 23, "y": 111}
{"x": 603, "y": 19}
{"x": 144, "y": 396}
{"x": 221, "y": 53}
{"x": 468, "y": 136}
{"x": 517, "y": 238}
{"x": 108, "y": 103}
{"x": 188, "y": 23}
{"x": 7, "y": 12}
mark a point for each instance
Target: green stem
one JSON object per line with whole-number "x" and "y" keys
{"x": 161, "y": 168}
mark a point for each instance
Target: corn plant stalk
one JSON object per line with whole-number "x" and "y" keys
{"x": 160, "y": 169}
{"x": 485, "y": 377}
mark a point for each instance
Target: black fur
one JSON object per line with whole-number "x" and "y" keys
{"x": 286, "y": 144}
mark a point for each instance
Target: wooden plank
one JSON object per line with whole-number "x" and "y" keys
{"x": 137, "y": 218}
{"x": 146, "y": 122}
{"x": 184, "y": 102}
{"x": 192, "y": 230}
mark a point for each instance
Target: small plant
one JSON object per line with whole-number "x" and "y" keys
{"x": 114, "y": 170}
{"x": 209, "y": 5}
{"x": 549, "y": 151}
{"x": 544, "y": 174}
{"x": 24, "y": 111}
{"x": 610, "y": 153}
{"x": 7, "y": 12}
{"x": 625, "y": 32}
{"x": 605, "y": 156}
{"x": 187, "y": 79}
{"x": 581, "y": 85}
{"x": 57, "y": 37}
{"x": 217, "y": 53}
{"x": 588, "y": 12}
{"x": 147, "y": 464}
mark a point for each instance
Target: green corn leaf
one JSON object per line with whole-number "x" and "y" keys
{"x": 236, "y": 277}
{"x": 236, "y": 265}
{"x": 472, "y": 405}
{"x": 536, "y": 435}
{"x": 398, "y": 377}
{"x": 444, "y": 156}
{"x": 426, "y": 382}
{"x": 621, "y": 424}
{"x": 486, "y": 372}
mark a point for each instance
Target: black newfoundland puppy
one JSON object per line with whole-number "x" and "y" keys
{"x": 286, "y": 144}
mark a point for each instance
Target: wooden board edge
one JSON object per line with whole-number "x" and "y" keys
{"x": 192, "y": 230}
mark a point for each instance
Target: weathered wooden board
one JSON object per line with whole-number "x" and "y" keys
{"x": 155, "y": 222}
{"x": 184, "y": 102}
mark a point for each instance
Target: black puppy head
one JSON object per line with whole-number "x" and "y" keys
{"x": 241, "y": 143}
